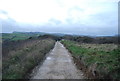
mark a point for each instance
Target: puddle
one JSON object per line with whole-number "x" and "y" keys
{"x": 62, "y": 46}
{"x": 49, "y": 58}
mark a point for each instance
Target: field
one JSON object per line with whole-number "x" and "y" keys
{"x": 21, "y": 52}
{"x": 18, "y": 36}
{"x": 100, "y": 60}
{"x": 20, "y": 60}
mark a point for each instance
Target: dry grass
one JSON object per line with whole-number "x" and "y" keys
{"x": 101, "y": 59}
{"x": 99, "y": 47}
{"x": 20, "y": 61}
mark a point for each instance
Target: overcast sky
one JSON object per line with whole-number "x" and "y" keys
{"x": 83, "y": 17}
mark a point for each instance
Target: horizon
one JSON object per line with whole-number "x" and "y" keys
{"x": 80, "y": 17}
{"x": 53, "y": 33}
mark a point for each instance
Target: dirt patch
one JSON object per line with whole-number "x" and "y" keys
{"x": 88, "y": 71}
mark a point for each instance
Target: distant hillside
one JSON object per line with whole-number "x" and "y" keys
{"x": 30, "y": 33}
{"x": 79, "y": 38}
{"x": 25, "y": 35}
{"x": 17, "y": 36}
{"x": 41, "y": 33}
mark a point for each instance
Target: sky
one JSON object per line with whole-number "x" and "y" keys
{"x": 82, "y": 17}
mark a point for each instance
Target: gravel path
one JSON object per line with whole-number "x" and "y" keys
{"x": 58, "y": 65}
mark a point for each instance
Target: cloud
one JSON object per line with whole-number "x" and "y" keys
{"x": 54, "y": 21}
{"x": 75, "y": 16}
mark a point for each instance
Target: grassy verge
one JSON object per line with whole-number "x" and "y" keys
{"x": 102, "y": 60}
{"x": 19, "y": 62}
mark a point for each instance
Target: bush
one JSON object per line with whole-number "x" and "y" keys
{"x": 21, "y": 61}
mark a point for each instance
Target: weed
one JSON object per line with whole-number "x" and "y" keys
{"x": 106, "y": 56}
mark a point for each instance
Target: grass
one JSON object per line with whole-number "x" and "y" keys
{"x": 19, "y": 62}
{"x": 17, "y": 36}
{"x": 105, "y": 56}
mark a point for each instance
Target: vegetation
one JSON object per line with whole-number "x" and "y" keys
{"x": 93, "y": 40}
{"x": 17, "y": 36}
{"x": 25, "y": 56}
{"x": 21, "y": 51}
{"x": 102, "y": 60}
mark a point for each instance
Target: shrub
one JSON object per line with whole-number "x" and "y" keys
{"x": 21, "y": 61}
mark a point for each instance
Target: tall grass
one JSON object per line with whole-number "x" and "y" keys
{"x": 19, "y": 62}
{"x": 102, "y": 58}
